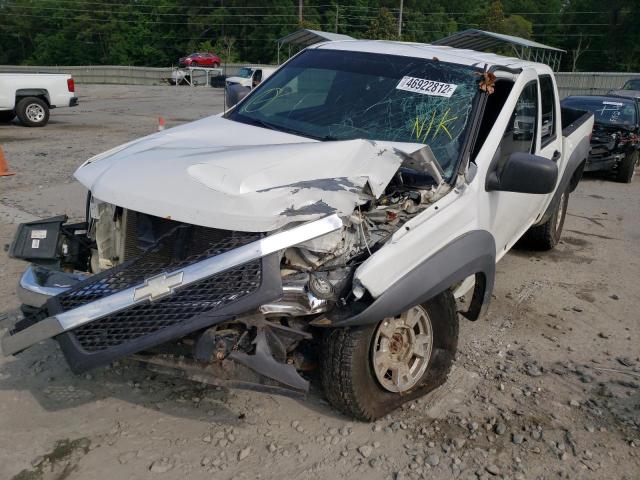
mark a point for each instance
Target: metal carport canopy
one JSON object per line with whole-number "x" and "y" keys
{"x": 481, "y": 40}
{"x": 474, "y": 39}
{"x": 305, "y": 37}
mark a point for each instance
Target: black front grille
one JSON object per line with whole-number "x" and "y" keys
{"x": 169, "y": 246}
{"x": 134, "y": 272}
{"x": 150, "y": 317}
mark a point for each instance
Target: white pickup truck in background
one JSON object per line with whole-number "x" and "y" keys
{"x": 30, "y": 96}
{"x": 247, "y": 78}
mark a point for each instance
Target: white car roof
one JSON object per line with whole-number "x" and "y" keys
{"x": 428, "y": 51}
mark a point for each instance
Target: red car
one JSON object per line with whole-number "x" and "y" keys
{"x": 202, "y": 59}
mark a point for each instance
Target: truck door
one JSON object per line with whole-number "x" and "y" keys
{"x": 511, "y": 213}
{"x": 550, "y": 126}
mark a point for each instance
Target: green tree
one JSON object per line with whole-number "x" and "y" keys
{"x": 157, "y": 32}
{"x": 518, "y": 26}
{"x": 383, "y": 27}
{"x": 493, "y": 20}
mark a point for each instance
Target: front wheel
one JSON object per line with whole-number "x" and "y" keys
{"x": 627, "y": 168}
{"x": 33, "y": 112}
{"x": 369, "y": 371}
{"x": 547, "y": 235}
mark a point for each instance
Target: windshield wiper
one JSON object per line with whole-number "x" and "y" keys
{"x": 272, "y": 126}
{"x": 261, "y": 123}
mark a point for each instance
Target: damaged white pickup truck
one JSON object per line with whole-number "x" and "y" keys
{"x": 321, "y": 225}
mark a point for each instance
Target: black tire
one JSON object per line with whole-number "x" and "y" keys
{"x": 627, "y": 168}
{"x": 547, "y": 235}
{"x": 216, "y": 65}
{"x": 348, "y": 379}
{"x": 7, "y": 115}
{"x": 32, "y": 112}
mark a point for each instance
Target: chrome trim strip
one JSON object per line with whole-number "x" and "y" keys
{"x": 192, "y": 273}
{"x": 47, "y": 328}
{"x": 210, "y": 266}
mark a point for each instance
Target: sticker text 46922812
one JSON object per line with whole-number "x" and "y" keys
{"x": 426, "y": 87}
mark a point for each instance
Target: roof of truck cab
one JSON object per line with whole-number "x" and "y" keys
{"x": 428, "y": 51}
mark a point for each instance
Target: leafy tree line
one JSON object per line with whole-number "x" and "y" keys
{"x": 598, "y": 36}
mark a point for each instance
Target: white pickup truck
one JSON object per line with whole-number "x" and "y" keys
{"x": 327, "y": 221}
{"x": 247, "y": 78}
{"x": 250, "y": 76}
{"x": 30, "y": 96}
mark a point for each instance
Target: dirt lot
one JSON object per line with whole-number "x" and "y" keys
{"x": 547, "y": 385}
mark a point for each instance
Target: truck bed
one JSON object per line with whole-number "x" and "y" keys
{"x": 572, "y": 118}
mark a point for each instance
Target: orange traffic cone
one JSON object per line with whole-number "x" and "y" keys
{"x": 4, "y": 168}
{"x": 160, "y": 124}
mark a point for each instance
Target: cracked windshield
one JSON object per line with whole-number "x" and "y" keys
{"x": 338, "y": 95}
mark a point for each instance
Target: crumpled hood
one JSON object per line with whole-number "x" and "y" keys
{"x": 224, "y": 174}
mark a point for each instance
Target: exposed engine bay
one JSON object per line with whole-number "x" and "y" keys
{"x": 318, "y": 269}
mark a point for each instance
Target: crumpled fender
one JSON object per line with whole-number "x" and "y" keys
{"x": 473, "y": 253}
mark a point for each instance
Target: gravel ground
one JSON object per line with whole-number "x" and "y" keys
{"x": 547, "y": 385}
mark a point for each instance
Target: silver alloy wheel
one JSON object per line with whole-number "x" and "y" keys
{"x": 35, "y": 112}
{"x": 401, "y": 349}
{"x": 560, "y": 212}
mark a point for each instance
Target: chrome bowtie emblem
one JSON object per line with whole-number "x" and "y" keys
{"x": 157, "y": 287}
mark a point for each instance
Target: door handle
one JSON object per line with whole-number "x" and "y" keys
{"x": 556, "y": 156}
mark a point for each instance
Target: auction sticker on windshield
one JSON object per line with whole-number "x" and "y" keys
{"x": 426, "y": 87}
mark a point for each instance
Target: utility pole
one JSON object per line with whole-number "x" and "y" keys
{"x": 300, "y": 11}
{"x": 337, "y": 14}
{"x": 400, "y": 20}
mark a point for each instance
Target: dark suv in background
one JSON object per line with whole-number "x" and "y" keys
{"x": 615, "y": 140}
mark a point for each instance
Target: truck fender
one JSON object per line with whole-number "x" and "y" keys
{"x": 33, "y": 92}
{"x": 570, "y": 177}
{"x": 473, "y": 253}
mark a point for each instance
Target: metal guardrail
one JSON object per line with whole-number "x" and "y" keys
{"x": 114, "y": 74}
{"x": 569, "y": 83}
{"x": 590, "y": 83}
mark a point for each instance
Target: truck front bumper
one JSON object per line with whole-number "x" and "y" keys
{"x": 138, "y": 305}
{"x": 602, "y": 162}
{"x": 38, "y": 284}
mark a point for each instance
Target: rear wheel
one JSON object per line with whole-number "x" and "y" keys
{"x": 547, "y": 235}
{"x": 627, "y": 168}
{"x": 7, "y": 116}
{"x": 33, "y": 112}
{"x": 369, "y": 371}
{"x": 215, "y": 65}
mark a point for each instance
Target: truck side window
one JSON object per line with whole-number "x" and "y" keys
{"x": 548, "y": 107}
{"x": 519, "y": 135}
{"x": 492, "y": 109}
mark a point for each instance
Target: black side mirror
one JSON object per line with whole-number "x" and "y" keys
{"x": 524, "y": 173}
